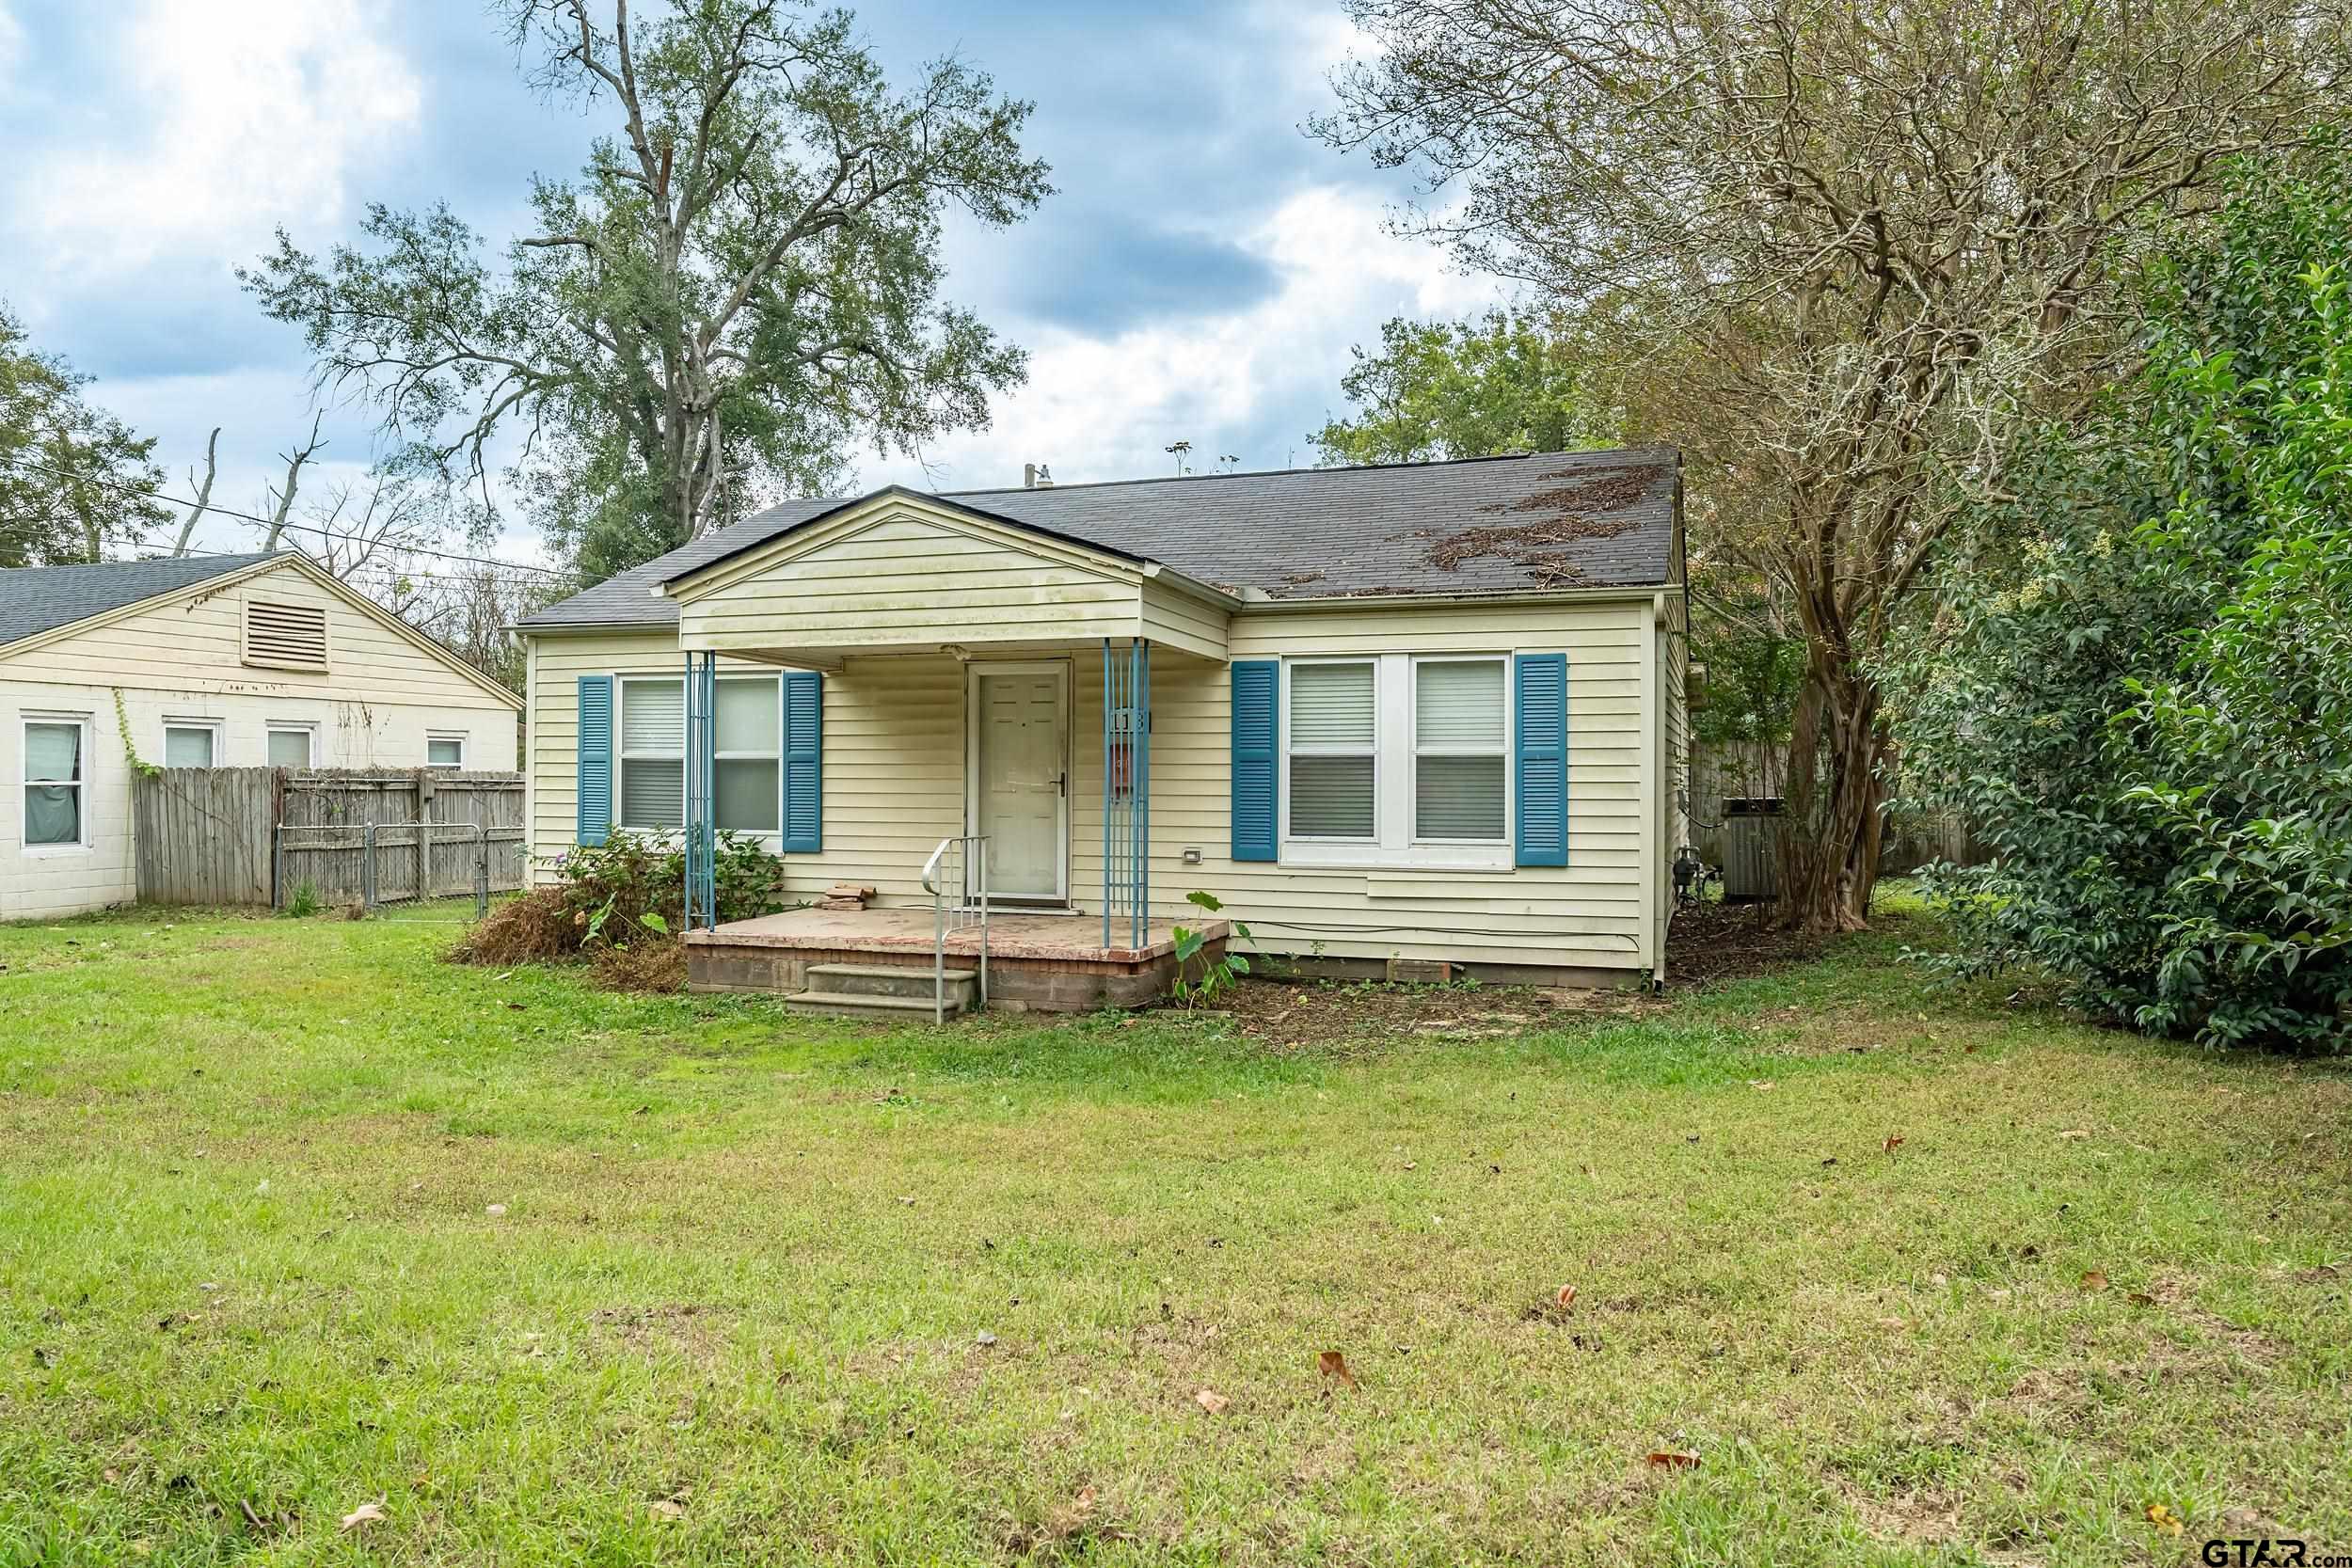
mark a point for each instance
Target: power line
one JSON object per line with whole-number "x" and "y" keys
{"x": 351, "y": 574}
{"x": 120, "y": 488}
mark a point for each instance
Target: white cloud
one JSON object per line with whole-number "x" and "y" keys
{"x": 228, "y": 130}
{"x": 1105, "y": 407}
{"x": 11, "y": 42}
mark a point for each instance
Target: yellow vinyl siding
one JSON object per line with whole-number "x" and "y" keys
{"x": 907, "y": 581}
{"x": 1590, "y": 912}
{"x": 893, "y": 756}
{"x": 893, "y": 760}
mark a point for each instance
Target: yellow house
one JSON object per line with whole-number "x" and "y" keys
{"x": 204, "y": 661}
{"x": 1423, "y": 719}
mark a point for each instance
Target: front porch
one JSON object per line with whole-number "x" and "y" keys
{"x": 1037, "y": 805}
{"x": 1047, "y": 962}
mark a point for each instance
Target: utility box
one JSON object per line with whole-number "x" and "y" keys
{"x": 1751, "y": 849}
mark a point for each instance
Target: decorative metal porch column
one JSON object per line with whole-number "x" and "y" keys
{"x": 1126, "y": 789}
{"x": 702, "y": 790}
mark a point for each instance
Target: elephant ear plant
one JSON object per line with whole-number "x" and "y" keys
{"x": 1217, "y": 975}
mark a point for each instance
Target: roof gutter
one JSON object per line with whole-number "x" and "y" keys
{"x": 1258, "y": 599}
{"x": 1210, "y": 593}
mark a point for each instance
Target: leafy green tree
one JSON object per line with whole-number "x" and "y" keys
{"x": 1507, "y": 381}
{"x": 1869, "y": 246}
{"x": 73, "y": 479}
{"x": 2149, "y": 717}
{"x": 742, "y": 284}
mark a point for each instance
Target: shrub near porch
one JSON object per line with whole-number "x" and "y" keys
{"x": 294, "y": 1217}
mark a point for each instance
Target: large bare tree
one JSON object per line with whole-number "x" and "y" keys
{"x": 1852, "y": 248}
{"x": 742, "y": 282}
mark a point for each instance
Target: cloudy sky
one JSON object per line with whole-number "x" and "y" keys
{"x": 1200, "y": 275}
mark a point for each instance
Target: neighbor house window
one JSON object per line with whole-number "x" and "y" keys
{"x": 1334, "y": 751}
{"x": 1397, "y": 760}
{"x": 192, "y": 743}
{"x": 652, "y": 785}
{"x": 445, "y": 751}
{"x": 290, "y": 745}
{"x": 55, "y": 811}
{"x": 1460, "y": 730}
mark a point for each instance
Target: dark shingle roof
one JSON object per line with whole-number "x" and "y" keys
{"x": 1491, "y": 525}
{"x": 35, "y": 599}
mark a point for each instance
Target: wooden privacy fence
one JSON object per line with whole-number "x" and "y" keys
{"x": 255, "y": 835}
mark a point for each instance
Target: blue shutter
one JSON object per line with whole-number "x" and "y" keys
{"x": 804, "y": 762}
{"x": 596, "y": 759}
{"x": 1257, "y": 710}
{"x": 1541, "y": 759}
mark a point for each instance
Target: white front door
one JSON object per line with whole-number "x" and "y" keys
{"x": 1020, "y": 777}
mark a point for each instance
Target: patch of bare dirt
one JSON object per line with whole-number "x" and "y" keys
{"x": 1920, "y": 1518}
{"x": 1305, "y": 1013}
{"x": 1710, "y": 943}
{"x": 671, "y": 1325}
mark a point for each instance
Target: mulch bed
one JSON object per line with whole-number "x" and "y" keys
{"x": 1710, "y": 943}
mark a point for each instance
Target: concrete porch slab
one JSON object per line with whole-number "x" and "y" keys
{"x": 1052, "y": 962}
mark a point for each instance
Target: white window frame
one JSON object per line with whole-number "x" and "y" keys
{"x": 1393, "y": 845}
{"x": 775, "y": 697}
{"x": 214, "y": 725}
{"x": 465, "y": 744}
{"x": 771, "y": 837}
{"x": 27, "y": 784}
{"x": 1378, "y": 729}
{"x": 306, "y": 728}
{"x": 621, "y": 755}
{"x": 1412, "y": 741}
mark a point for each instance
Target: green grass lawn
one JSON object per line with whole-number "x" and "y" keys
{"x": 294, "y": 1217}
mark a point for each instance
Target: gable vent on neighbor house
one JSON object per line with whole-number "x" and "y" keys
{"x": 285, "y": 636}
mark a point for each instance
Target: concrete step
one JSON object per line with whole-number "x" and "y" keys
{"x": 892, "y": 980}
{"x": 842, "y": 1003}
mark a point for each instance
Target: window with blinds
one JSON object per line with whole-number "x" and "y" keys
{"x": 1333, "y": 750}
{"x": 1397, "y": 759}
{"x": 650, "y": 792}
{"x": 751, "y": 744}
{"x": 285, "y": 636}
{"x": 1460, "y": 734}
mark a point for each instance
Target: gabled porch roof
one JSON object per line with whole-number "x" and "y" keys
{"x": 901, "y": 572}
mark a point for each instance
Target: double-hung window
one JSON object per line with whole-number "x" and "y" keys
{"x": 751, "y": 754}
{"x": 1460, "y": 734}
{"x": 56, "y": 814}
{"x": 1397, "y": 760}
{"x": 651, "y": 790}
{"x": 1334, "y": 751}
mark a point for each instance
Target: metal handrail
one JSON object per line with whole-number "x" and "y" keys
{"x": 971, "y": 860}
